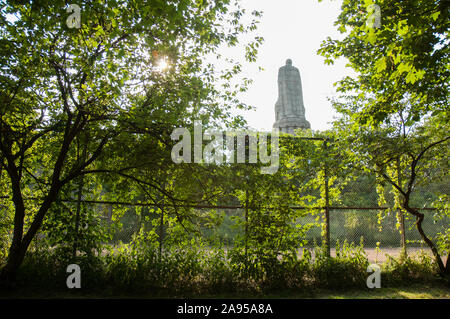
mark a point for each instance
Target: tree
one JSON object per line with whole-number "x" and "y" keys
{"x": 396, "y": 110}
{"x": 405, "y": 59}
{"x": 420, "y": 157}
{"x": 99, "y": 85}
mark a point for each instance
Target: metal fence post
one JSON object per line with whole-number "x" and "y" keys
{"x": 246, "y": 227}
{"x": 402, "y": 216}
{"x": 327, "y": 204}
{"x": 161, "y": 225}
{"x": 79, "y": 200}
{"x": 77, "y": 216}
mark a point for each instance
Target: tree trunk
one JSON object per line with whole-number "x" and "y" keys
{"x": 447, "y": 265}
{"x": 9, "y": 271}
{"x": 419, "y": 219}
{"x": 16, "y": 252}
{"x": 21, "y": 241}
{"x": 20, "y": 245}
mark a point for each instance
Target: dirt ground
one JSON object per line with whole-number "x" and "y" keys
{"x": 380, "y": 256}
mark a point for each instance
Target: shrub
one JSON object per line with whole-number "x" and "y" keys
{"x": 418, "y": 268}
{"x": 346, "y": 270}
{"x": 191, "y": 270}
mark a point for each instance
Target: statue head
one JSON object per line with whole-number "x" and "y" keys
{"x": 289, "y": 62}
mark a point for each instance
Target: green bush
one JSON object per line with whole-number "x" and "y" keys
{"x": 411, "y": 269}
{"x": 346, "y": 270}
{"x": 138, "y": 269}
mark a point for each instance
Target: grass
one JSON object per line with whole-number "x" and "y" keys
{"x": 188, "y": 276}
{"x": 412, "y": 292}
{"x": 428, "y": 291}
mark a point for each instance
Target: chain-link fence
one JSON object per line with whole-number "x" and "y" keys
{"x": 378, "y": 230}
{"x": 353, "y": 214}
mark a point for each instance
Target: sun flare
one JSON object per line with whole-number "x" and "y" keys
{"x": 162, "y": 65}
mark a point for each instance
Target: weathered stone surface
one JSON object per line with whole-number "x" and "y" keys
{"x": 289, "y": 109}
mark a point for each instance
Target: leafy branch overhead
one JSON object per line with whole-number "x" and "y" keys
{"x": 75, "y": 102}
{"x": 405, "y": 59}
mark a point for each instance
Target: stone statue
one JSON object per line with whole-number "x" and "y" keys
{"x": 289, "y": 109}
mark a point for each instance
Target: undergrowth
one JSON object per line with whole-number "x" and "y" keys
{"x": 193, "y": 269}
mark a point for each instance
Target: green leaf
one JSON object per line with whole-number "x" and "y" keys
{"x": 380, "y": 65}
{"x": 435, "y": 15}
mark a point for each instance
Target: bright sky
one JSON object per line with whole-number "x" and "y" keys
{"x": 291, "y": 29}
{"x": 294, "y": 29}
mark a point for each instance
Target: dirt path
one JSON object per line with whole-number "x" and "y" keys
{"x": 380, "y": 256}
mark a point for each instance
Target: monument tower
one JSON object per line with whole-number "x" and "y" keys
{"x": 289, "y": 109}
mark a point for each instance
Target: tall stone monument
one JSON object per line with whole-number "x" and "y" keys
{"x": 289, "y": 109}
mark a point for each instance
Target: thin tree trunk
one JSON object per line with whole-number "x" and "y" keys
{"x": 437, "y": 256}
{"x": 447, "y": 264}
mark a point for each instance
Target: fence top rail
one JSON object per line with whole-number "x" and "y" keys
{"x": 200, "y": 206}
